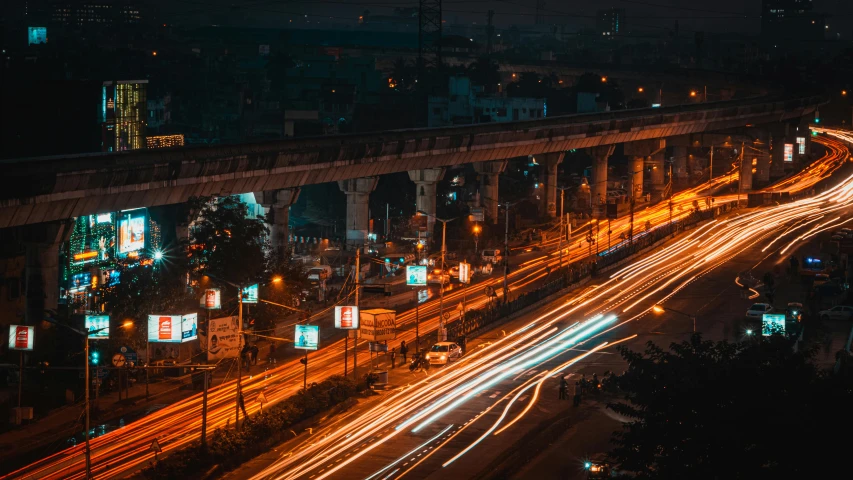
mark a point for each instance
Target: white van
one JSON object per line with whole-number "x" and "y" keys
{"x": 321, "y": 272}
{"x": 492, "y": 256}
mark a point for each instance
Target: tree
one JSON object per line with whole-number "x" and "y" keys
{"x": 227, "y": 244}
{"x": 289, "y": 281}
{"x": 718, "y": 410}
{"x": 485, "y": 72}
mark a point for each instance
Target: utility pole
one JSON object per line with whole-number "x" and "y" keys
{"x": 506, "y": 254}
{"x": 204, "y": 412}
{"x": 740, "y": 177}
{"x": 355, "y": 343}
{"x": 21, "y": 381}
{"x": 671, "y": 192}
{"x": 562, "y": 231}
{"x": 710, "y": 176}
{"x": 631, "y": 206}
{"x": 88, "y": 386}
{"x": 239, "y": 355}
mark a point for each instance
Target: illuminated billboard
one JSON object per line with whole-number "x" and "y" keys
{"x": 346, "y": 317}
{"x": 131, "y": 230}
{"x": 416, "y": 275}
{"x": 21, "y": 337}
{"x": 172, "y": 328}
{"x": 801, "y": 144}
{"x": 789, "y": 152}
{"x": 211, "y": 299}
{"x": 772, "y": 324}
{"x": 464, "y": 272}
{"x": 250, "y": 294}
{"x": 306, "y": 337}
{"x": 36, "y": 35}
{"x": 98, "y": 322}
{"x": 223, "y": 338}
{"x": 80, "y": 281}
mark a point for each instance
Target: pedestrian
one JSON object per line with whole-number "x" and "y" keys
{"x": 583, "y": 383}
{"x": 404, "y": 350}
{"x": 244, "y": 355}
{"x": 393, "y": 357}
{"x": 254, "y": 352}
{"x": 596, "y": 384}
{"x": 576, "y": 401}
{"x": 564, "y": 389}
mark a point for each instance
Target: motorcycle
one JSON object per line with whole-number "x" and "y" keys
{"x": 419, "y": 362}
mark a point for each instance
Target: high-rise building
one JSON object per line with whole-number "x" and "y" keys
{"x": 123, "y": 112}
{"x": 783, "y": 20}
{"x": 610, "y": 22}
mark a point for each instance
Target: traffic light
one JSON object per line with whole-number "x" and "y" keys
{"x": 94, "y": 357}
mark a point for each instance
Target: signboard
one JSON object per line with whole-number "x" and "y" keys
{"x": 131, "y": 231}
{"x": 223, "y": 338}
{"x": 477, "y": 215}
{"x": 801, "y": 145}
{"x": 307, "y": 337}
{"x": 119, "y": 360}
{"x": 211, "y": 299}
{"x": 80, "y": 281}
{"x": 464, "y": 272}
{"x": 250, "y": 294}
{"x": 172, "y": 328}
{"x": 346, "y": 317}
{"x": 789, "y": 153}
{"x": 378, "y": 324}
{"x": 377, "y": 347}
{"x": 97, "y": 322}
{"x": 772, "y": 324}
{"x": 21, "y": 337}
{"x": 416, "y": 275}
{"x": 36, "y": 35}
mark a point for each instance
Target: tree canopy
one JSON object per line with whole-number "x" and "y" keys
{"x": 748, "y": 410}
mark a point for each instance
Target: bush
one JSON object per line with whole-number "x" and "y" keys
{"x": 231, "y": 447}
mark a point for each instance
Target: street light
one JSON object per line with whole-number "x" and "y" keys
{"x": 477, "y": 230}
{"x": 660, "y": 309}
{"x": 562, "y": 231}
{"x": 442, "y": 334}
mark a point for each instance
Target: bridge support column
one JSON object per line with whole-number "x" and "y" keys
{"x": 489, "y": 181}
{"x": 278, "y": 202}
{"x": 778, "y": 165}
{"x": 598, "y": 185}
{"x": 42, "y": 243}
{"x": 745, "y": 184}
{"x": 638, "y": 165}
{"x": 426, "y": 181}
{"x": 358, "y": 191}
{"x": 762, "y": 169}
{"x": 679, "y": 165}
{"x": 642, "y": 152}
{"x": 550, "y": 162}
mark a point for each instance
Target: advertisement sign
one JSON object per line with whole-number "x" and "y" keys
{"x": 21, "y": 337}
{"x": 80, "y": 281}
{"x": 172, "y": 328}
{"x": 223, "y": 339}
{"x": 250, "y": 294}
{"x": 211, "y": 299}
{"x": 378, "y": 324}
{"x": 789, "y": 153}
{"x": 464, "y": 272}
{"x": 346, "y": 317}
{"x": 477, "y": 215}
{"x": 416, "y": 275}
{"x": 772, "y": 324}
{"x": 131, "y": 231}
{"x": 307, "y": 337}
{"x": 801, "y": 145}
{"x": 36, "y": 35}
{"x": 97, "y": 322}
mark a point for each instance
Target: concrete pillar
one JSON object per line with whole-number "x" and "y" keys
{"x": 42, "y": 243}
{"x": 777, "y": 161}
{"x": 426, "y": 181}
{"x": 358, "y": 191}
{"x": 489, "y": 181}
{"x": 278, "y": 203}
{"x": 679, "y": 164}
{"x": 762, "y": 169}
{"x": 551, "y": 198}
{"x": 746, "y": 174}
{"x": 641, "y": 152}
{"x": 656, "y": 170}
{"x": 598, "y": 184}
{"x": 637, "y": 166}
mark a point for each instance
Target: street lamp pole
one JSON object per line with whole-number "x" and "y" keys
{"x": 661, "y": 309}
{"x": 562, "y": 227}
{"x": 88, "y": 386}
{"x": 239, "y": 356}
{"x": 441, "y": 332}
{"x": 506, "y": 254}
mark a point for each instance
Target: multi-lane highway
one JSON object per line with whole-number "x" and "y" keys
{"x": 420, "y": 412}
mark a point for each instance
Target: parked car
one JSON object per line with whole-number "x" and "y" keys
{"x": 437, "y": 277}
{"x": 838, "y": 312}
{"x": 454, "y": 271}
{"x": 443, "y": 352}
{"x": 757, "y": 311}
{"x": 794, "y": 312}
{"x": 318, "y": 273}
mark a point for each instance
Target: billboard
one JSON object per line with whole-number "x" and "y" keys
{"x": 416, "y": 275}
{"x": 80, "y": 281}
{"x": 172, "y": 328}
{"x": 21, "y": 337}
{"x": 378, "y": 324}
{"x": 211, "y": 299}
{"x": 223, "y": 338}
{"x": 250, "y": 294}
{"x": 131, "y": 231}
{"x": 789, "y": 152}
{"x": 801, "y": 145}
{"x": 464, "y": 272}
{"x": 97, "y": 322}
{"x": 346, "y": 317}
{"x": 36, "y": 35}
{"x": 307, "y": 337}
{"x": 772, "y": 324}
{"x": 477, "y": 215}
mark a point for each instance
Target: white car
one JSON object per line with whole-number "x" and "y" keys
{"x": 757, "y": 311}
{"x": 443, "y": 352}
{"x": 437, "y": 277}
{"x": 838, "y": 312}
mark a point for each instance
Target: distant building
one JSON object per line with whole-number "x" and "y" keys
{"x": 123, "y": 112}
{"x": 466, "y": 104}
{"x": 95, "y": 13}
{"x": 165, "y": 141}
{"x": 610, "y": 22}
{"x": 785, "y": 20}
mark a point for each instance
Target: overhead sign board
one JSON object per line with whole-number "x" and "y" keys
{"x": 98, "y": 322}
{"x": 789, "y": 152}
{"x": 416, "y": 275}
{"x": 346, "y": 317}
{"x": 801, "y": 145}
{"x": 464, "y": 272}
{"x": 21, "y": 337}
{"x": 211, "y": 299}
{"x": 306, "y": 337}
{"x": 131, "y": 230}
{"x": 172, "y": 328}
{"x": 477, "y": 215}
{"x": 772, "y": 324}
{"x": 250, "y": 294}
{"x": 378, "y": 324}
{"x": 223, "y": 338}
